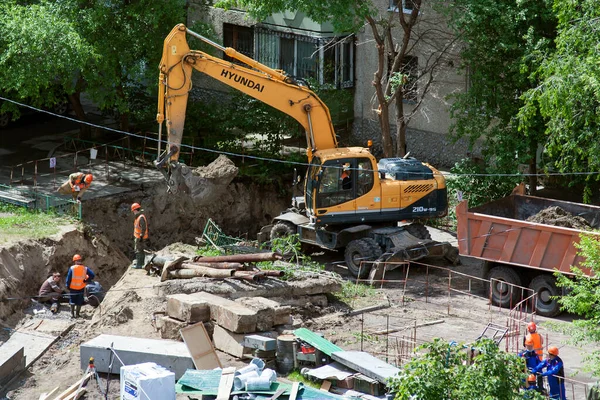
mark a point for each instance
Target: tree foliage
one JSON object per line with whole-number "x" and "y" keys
{"x": 446, "y": 371}
{"x": 397, "y": 36}
{"x": 582, "y": 298}
{"x": 568, "y": 93}
{"x": 108, "y": 49}
{"x": 500, "y": 37}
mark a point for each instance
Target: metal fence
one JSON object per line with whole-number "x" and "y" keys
{"x": 31, "y": 199}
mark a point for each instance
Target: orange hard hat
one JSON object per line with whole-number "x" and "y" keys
{"x": 553, "y": 350}
{"x": 77, "y": 257}
{"x": 528, "y": 342}
{"x": 531, "y": 327}
{"x": 531, "y": 378}
{"x": 135, "y": 206}
{"x": 89, "y": 178}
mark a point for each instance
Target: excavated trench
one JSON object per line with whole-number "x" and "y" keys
{"x": 106, "y": 240}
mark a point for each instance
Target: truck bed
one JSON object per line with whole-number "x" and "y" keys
{"x": 499, "y": 232}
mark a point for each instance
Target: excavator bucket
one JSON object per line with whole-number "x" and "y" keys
{"x": 410, "y": 248}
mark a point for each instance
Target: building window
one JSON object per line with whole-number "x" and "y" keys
{"x": 407, "y": 6}
{"x": 300, "y": 56}
{"x": 240, "y": 38}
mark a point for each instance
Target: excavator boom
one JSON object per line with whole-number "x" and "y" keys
{"x": 268, "y": 85}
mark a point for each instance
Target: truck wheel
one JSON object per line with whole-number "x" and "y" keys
{"x": 282, "y": 229}
{"x": 419, "y": 231}
{"x": 503, "y": 294}
{"x": 359, "y": 250}
{"x": 545, "y": 287}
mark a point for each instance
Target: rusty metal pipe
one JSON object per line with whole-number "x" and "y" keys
{"x": 247, "y": 277}
{"x": 214, "y": 265}
{"x": 241, "y": 258}
{"x": 204, "y": 272}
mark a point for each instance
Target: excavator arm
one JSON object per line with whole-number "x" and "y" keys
{"x": 268, "y": 85}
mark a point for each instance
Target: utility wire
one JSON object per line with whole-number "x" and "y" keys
{"x": 275, "y": 160}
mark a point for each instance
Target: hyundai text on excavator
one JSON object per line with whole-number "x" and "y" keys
{"x": 351, "y": 201}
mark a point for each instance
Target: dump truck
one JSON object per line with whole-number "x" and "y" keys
{"x": 521, "y": 252}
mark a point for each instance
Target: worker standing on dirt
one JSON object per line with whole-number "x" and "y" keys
{"x": 76, "y": 185}
{"x": 140, "y": 234}
{"x": 531, "y": 358}
{"x": 555, "y": 372}
{"x": 76, "y": 282}
{"x": 538, "y": 340}
{"x": 51, "y": 291}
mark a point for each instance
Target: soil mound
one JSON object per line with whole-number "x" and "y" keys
{"x": 557, "y": 216}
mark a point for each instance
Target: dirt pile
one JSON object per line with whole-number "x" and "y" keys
{"x": 557, "y": 216}
{"x": 25, "y": 265}
{"x": 207, "y": 183}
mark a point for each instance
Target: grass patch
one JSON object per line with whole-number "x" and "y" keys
{"x": 352, "y": 291}
{"x": 295, "y": 376}
{"x": 18, "y": 223}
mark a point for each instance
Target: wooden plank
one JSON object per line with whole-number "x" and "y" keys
{"x": 226, "y": 383}
{"x": 46, "y": 396}
{"x": 73, "y": 388}
{"x": 76, "y": 395}
{"x": 200, "y": 347}
{"x": 325, "y": 386}
{"x": 294, "y": 390}
{"x": 366, "y": 364}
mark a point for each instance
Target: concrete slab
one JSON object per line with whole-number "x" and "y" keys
{"x": 187, "y": 308}
{"x": 366, "y": 364}
{"x": 131, "y": 350}
{"x": 11, "y": 363}
{"x": 34, "y": 345}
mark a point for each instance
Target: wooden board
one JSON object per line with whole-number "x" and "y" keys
{"x": 226, "y": 383}
{"x": 200, "y": 347}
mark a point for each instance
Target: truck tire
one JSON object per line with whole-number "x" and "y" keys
{"x": 359, "y": 250}
{"x": 282, "y": 229}
{"x": 419, "y": 231}
{"x": 504, "y": 295}
{"x": 545, "y": 287}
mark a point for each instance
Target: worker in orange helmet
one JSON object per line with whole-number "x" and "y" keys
{"x": 140, "y": 235}
{"x": 531, "y": 387}
{"x": 76, "y": 282}
{"x": 538, "y": 340}
{"x": 555, "y": 372}
{"x": 76, "y": 185}
{"x": 531, "y": 358}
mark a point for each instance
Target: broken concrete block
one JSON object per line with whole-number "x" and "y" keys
{"x": 169, "y": 327}
{"x": 268, "y": 312}
{"x": 228, "y": 314}
{"x": 319, "y": 300}
{"x": 185, "y": 307}
{"x": 265, "y": 311}
{"x": 229, "y": 342}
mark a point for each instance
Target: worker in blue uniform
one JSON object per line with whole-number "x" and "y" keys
{"x": 555, "y": 372}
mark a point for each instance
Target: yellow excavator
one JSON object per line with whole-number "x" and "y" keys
{"x": 351, "y": 201}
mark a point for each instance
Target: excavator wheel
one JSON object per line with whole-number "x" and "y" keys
{"x": 282, "y": 229}
{"x": 418, "y": 230}
{"x": 366, "y": 249}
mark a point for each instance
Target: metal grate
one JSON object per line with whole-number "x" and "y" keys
{"x": 215, "y": 236}
{"x": 31, "y": 199}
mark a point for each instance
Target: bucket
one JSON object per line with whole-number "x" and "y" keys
{"x": 285, "y": 354}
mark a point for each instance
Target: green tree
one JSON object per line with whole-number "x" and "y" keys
{"x": 109, "y": 50}
{"x": 568, "y": 93}
{"x": 396, "y": 36}
{"x": 582, "y": 298}
{"x": 447, "y": 371}
{"x": 499, "y": 39}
